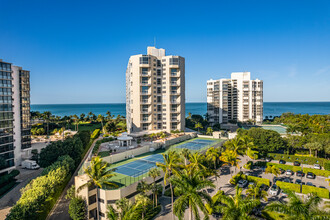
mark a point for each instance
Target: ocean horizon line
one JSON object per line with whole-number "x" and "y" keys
{"x": 186, "y": 102}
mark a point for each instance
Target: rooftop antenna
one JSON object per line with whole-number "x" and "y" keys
{"x": 154, "y": 41}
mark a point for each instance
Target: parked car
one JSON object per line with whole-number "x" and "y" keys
{"x": 30, "y": 165}
{"x": 298, "y": 181}
{"x": 282, "y": 162}
{"x": 322, "y": 187}
{"x": 300, "y": 173}
{"x": 275, "y": 179}
{"x": 284, "y": 194}
{"x": 310, "y": 175}
{"x": 282, "y": 171}
{"x": 289, "y": 172}
{"x": 296, "y": 163}
{"x": 263, "y": 187}
{"x": 309, "y": 184}
{"x": 268, "y": 159}
{"x": 317, "y": 166}
{"x": 242, "y": 183}
{"x": 287, "y": 180}
{"x": 274, "y": 190}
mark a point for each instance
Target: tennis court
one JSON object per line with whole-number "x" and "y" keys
{"x": 196, "y": 144}
{"x": 140, "y": 166}
{"x": 277, "y": 128}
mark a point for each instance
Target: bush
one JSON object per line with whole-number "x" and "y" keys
{"x": 324, "y": 173}
{"x": 99, "y": 142}
{"x": 78, "y": 209}
{"x": 95, "y": 134}
{"x": 248, "y": 165}
{"x": 40, "y": 194}
{"x": 323, "y": 193}
{"x": 254, "y": 179}
{"x": 8, "y": 178}
{"x": 288, "y": 186}
{"x": 301, "y": 159}
{"x": 62, "y": 161}
{"x": 285, "y": 167}
{"x": 327, "y": 165}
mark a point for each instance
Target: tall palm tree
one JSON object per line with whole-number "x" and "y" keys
{"x": 142, "y": 201}
{"x": 198, "y": 126}
{"x": 209, "y": 131}
{"x": 76, "y": 119}
{"x": 125, "y": 210}
{"x": 100, "y": 118}
{"x": 246, "y": 142}
{"x": 171, "y": 162}
{"x": 186, "y": 154}
{"x": 100, "y": 174}
{"x": 154, "y": 173}
{"x": 298, "y": 208}
{"x": 191, "y": 196}
{"x": 236, "y": 145}
{"x": 46, "y": 116}
{"x": 143, "y": 187}
{"x": 236, "y": 207}
{"x": 255, "y": 192}
{"x": 196, "y": 163}
{"x": 229, "y": 157}
{"x": 213, "y": 154}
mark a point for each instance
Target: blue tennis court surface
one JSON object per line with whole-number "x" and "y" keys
{"x": 141, "y": 166}
{"x": 196, "y": 144}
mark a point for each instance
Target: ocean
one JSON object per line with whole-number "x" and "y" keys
{"x": 270, "y": 108}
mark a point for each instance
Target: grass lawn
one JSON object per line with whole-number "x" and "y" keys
{"x": 84, "y": 126}
{"x": 273, "y": 215}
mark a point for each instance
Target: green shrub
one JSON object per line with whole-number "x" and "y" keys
{"x": 62, "y": 161}
{"x": 324, "y": 173}
{"x": 285, "y": 167}
{"x": 7, "y": 178}
{"x": 254, "y": 179}
{"x": 78, "y": 208}
{"x": 301, "y": 159}
{"x": 95, "y": 134}
{"x": 39, "y": 196}
{"x": 323, "y": 193}
{"x": 4, "y": 189}
{"x": 288, "y": 186}
{"x": 248, "y": 165}
{"x": 99, "y": 142}
{"x": 327, "y": 165}
{"x": 260, "y": 164}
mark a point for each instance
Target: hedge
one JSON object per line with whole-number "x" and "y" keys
{"x": 95, "y": 134}
{"x": 39, "y": 196}
{"x": 254, "y": 179}
{"x": 288, "y": 186}
{"x": 327, "y": 165}
{"x": 324, "y": 173}
{"x": 285, "y": 167}
{"x": 301, "y": 159}
{"x": 99, "y": 142}
{"x": 323, "y": 193}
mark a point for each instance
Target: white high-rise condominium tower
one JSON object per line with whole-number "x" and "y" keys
{"x": 15, "y": 130}
{"x": 155, "y": 92}
{"x": 238, "y": 99}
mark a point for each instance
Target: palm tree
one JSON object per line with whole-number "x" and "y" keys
{"x": 273, "y": 170}
{"x": 46, "y": 116}
{"x": 198, "y": 126}
{"x": 186, "y": 154}
{"x": 100, "y": 118}
{"x": 236, "y": 145}
{"x": 142, "y": 201}
{"x": 189, "y": 186}
{"x": 143, "y": 187}
{"x": 298, "y": 208}
{"x": 109, "y": 116}
{"x": 154, "y": 173}
{"x": 209, "y": 131}
{"x": 246, "y": 142}
{"x": 100, "y": 174}
{"x": 169, "y": 167}
{"x": 196, "y": 163}
{"x": 254, "y": 192}
{"x": 229, "y": 157}
{"x": 125, "y": 210}
{"x": 236, "y": 207}
{"x": 213, "y": 154}
{"x": 189, "y": 115}
{"x": 76, "y": 119}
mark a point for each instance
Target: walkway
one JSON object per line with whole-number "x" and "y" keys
{"x": 61, "y": 208}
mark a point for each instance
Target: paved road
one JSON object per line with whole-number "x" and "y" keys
{"x": 61, "y": 209}
{"x": 8, "y": 200}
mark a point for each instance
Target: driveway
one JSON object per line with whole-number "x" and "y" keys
{"x": 8, "y": 200}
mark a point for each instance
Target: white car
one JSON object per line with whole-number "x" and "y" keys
{"x": 317, "y": 166}
{"x": 289, "y": 172}
{"x": 274, "y": 190}
{"x": 242, "y": 183}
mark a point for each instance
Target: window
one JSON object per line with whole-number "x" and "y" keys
{"x": 174, "y": 61}
{"x": 92, "y": 199}
{"x": 144, "y": 71}
{"x": 174, "y": 72}
{"x": 144, "y": 60}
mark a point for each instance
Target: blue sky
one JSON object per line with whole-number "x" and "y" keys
{"x": 77, "y": 51}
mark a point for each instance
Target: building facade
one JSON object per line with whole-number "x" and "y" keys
{"x": 238, "y": 99}
{"x": 15, "y": 131}
{"x": 155, "y": 92}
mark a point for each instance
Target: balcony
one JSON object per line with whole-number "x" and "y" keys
{"x": 146, "y": 101}
{"x": 145, "y": 83}
{"x": 145, "y": 92}
{"x": 175, "y": 92}
{"x": 175, "y": 83}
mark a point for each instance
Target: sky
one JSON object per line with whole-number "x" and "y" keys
{"x": 77, "y": 51}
